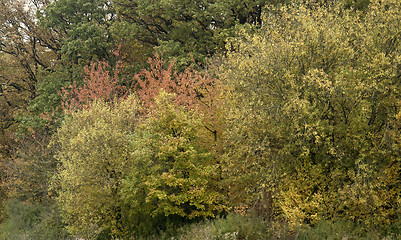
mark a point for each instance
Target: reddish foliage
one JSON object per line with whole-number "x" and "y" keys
{"x": 193, "y": 89}
{"x": 99, "y": 84}
{"x": 49, "y": 117}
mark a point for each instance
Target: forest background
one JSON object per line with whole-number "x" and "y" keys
{"x": 209, "y": 119}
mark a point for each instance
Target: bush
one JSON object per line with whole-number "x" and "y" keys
{"x": 231, "y": 227}
{"x": 332, "y": 230}
{"x": 27, "y": 222}
{"x": 238, "y": 227}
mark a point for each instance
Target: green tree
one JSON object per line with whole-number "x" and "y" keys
{"x": 175, "y": 177}
{"x": 187, "y": 29}
{"x": 83, "y": 33}
{"x": 83, "y": 28}
{"x": 117, "y": 179}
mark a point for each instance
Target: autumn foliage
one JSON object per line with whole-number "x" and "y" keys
{"x": 193, "y": 89}
{"x": 294, "y": 126}
{"x": 101, "y": 82}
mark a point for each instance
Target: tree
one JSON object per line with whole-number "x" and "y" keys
{"x": 98, "y": 84}
{"x": 83, "y": 32}
{"x": 174, "y": 178}
{"x": 94, "y": 157}
{"x": 29, "y": 168}
{"x": 14, "y": 95}
{"x": 23, "y": 54}
{"x": 24, "y": 158}
{"x": 193, "y": 90}
{"x": 118, "y": 178}
{"x": 185, "y": 28}
{"x": 83, "y": 28}
{"x": 312, "y": 97}
{"x": 23, "y": 39}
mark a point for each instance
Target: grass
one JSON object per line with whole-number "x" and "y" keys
{"x": 239, "y": 227}
{"x": 30, "y": 222}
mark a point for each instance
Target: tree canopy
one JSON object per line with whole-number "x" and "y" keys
{"x": 305, "y": 102}
{"x": 131, "y": 119}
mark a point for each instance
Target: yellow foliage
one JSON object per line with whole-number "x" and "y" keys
{"x": 173, "y": 174}
{"x": 311, "y": 101}
{"x": 94, "y": 157}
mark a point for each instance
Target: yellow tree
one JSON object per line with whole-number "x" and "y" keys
{"x": 94, "y": 156}
{"x": 311, "y": 99}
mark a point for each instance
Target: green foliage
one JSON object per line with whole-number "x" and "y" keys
{"x": 339, "y": 230}
{"x": 94, "y": 157}
{"x": 174, "y": 177}
{"x": 356, "y": 4}
{"x": 14, "y": 95}
{"x": 311, "y": 98}
{"x": 28, "y": 222}
{"x": 231, "y": 227}
{"x": 187, "y": 30}
{"x": 81, "y": 34}
{"x": 49, "y": 87}
{"x": 237, "y": 226}
{"x": 82, "y": 26}
{"x": 116, "y": 180}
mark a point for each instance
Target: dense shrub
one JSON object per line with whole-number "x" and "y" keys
{"x": 28, "y": 222}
